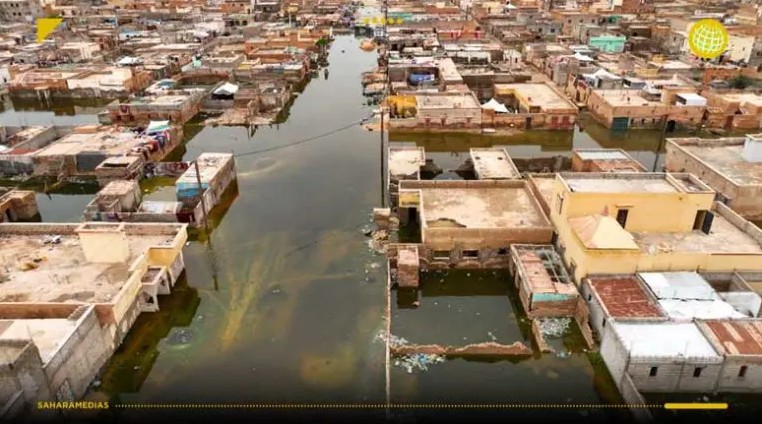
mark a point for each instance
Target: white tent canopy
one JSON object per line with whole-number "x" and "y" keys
{"x": 581, "y": 57}
{"x": 226, "y": 89}
{"x": 496, "y": 106}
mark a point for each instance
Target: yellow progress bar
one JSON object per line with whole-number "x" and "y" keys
{"x": 695, "y": 406}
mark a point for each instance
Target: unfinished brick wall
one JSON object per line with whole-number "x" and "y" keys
{"x": 10, "y": 310}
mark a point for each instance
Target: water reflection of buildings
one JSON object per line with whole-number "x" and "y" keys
{"x": 132, "y": 362}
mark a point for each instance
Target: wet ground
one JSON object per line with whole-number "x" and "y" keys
{"x": 277, "y": 306}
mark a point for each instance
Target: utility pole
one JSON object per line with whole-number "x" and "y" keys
{"x": 662, "y": 139}
{"x": 385, "y": 93}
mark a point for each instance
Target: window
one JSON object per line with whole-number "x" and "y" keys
{"x": 742, "y": 371}
{"x": 603, "y": 322}
{"x": 589, "y": 297}
{"x": 502, "y": 251}
{"x": 653, "y": 371}
{"x": 442, "y": 255}
{"x": 472, "y": 254}
{"x": 697, "y": 372}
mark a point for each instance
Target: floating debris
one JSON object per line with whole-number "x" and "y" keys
{"x": 491, "y": 336}
{"x": 420, "y": 361}
{"x": 394, "y": 341}
{"x": 180, "y": 336}
{"x": 554, "y": 327}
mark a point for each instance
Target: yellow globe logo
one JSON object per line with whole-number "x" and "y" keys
{"x": 708, "y": 38}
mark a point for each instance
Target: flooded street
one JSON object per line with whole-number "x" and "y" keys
{"x": 283, "y": 302}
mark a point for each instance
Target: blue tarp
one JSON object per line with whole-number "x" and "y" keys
{"x": 421, "y": 78}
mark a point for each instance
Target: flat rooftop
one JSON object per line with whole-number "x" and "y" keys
{"x": 167, "y": 99}
{"x": 39, "y": 272}
{"x": 626, "y": 98}
{"x": 472, "y": 205}
{"x": 632, "y": 182}
{"x": 447, "y": 101}
{"x": 737, "y": 337}
{"x": 624, "y": 297}
{"x": 751, "y": 98}
{"x": 209, "y": 165}
{"x": 493, "y": 163}
{"x": 725, "y": 156}
{"x": 537, "y": 95}
{"x": 724, "y": 237}
{"x": 48, "y": 334}
{"x": 404, "y": 161}
{"x": 664, "y": 339}
{"x": 105, "y": 140}
{"x": 546, "y": 186}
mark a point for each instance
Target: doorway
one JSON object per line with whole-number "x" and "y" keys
{"x": 621, "y": 217}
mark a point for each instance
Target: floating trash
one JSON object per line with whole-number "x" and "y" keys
{"x": 394, "y": 341}
{"x": 554, "y": 327}
{"x": 180, "y": 336}
{"x": 419, "y": 361}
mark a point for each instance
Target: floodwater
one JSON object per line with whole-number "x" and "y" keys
{"x": 283, "y": 301}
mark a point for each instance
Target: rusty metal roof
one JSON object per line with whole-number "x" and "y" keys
{"x": 738, "y": 337}
{"x": 624, "y": 297}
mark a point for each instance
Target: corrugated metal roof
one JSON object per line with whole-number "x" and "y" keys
{"x": 679, "y": 285}
{"x": 738, "y": 337}
{"x": 666, "y": 340}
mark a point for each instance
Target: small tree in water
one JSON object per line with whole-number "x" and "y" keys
{"x": 321, "y": 43}
{"x": 740, "y": 82}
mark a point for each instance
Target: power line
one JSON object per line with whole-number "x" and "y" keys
{"x": 302, "y": 141}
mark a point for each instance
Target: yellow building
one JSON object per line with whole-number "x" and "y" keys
{"x": 633, "y": 222}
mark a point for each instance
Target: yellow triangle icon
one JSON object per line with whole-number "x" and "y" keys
{"x": 45, "y": 26}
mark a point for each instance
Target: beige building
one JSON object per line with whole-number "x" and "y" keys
{"x": 534, "y": 106}
{"x": 605, "y": 225}
{"x": 731, "y": 166}
{"x": 472, "y": 223}
{"x": 70, "y": 294}
{"x": 625, "y": 109}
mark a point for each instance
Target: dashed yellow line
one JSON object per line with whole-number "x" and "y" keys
{"x": 378, "y": 406}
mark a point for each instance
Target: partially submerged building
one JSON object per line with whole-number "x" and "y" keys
{"x": 122, "y": 200}
{"x": 647, "y": 108}
{"x": 545, "y": 287}
{"x": 177, "y": 107}
{"x": 604, "y": 160}
{"x": 216, "y": 173}
{"x": 534, "y": 106}
{"x": 101, "y": 150}
{"x": 472, "y": 223}
{"x": 493, "y": 164}
{"x": 66, "y": 302}
{"x": 732, "y": 166}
